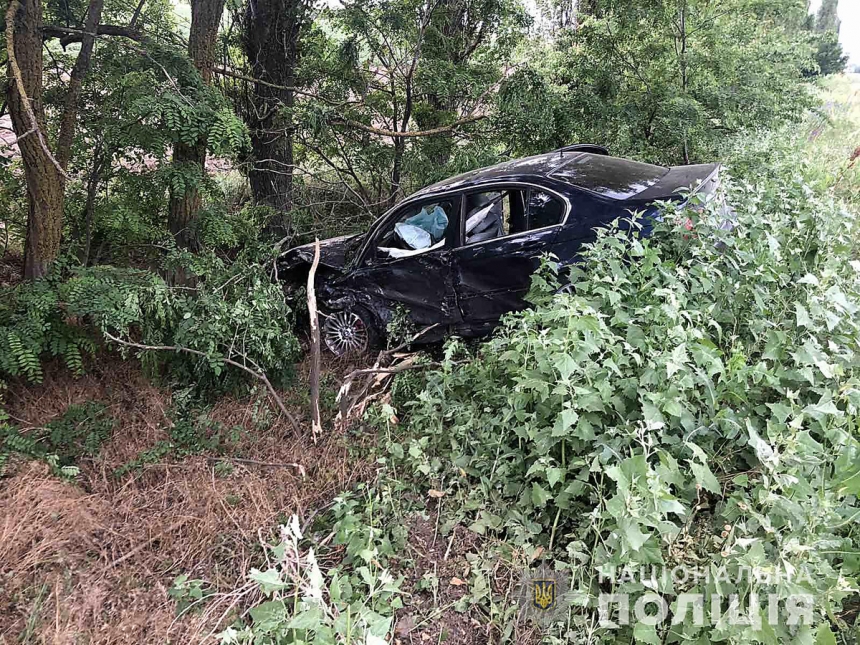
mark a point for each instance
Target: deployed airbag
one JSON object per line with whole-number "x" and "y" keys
{"x": 435, "y": 222}
{"x": 415, "y": 237}
{"x": 403, "y": 253}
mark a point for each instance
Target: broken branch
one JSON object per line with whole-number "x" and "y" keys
{"x": 259, "y": 375}
{"x": 316, "y": 424}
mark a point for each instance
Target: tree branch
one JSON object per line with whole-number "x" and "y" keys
{"x": 69, "y": 116}
{"x": 315, "y": 344}
{"x": 416, "y": 133}
{"x": 259, "y": 375}
{"x": 223, "y": 71}
{"x": 69, "y": 35}
{"x": 136, "y": 14}
{"x": 15, "y": 142}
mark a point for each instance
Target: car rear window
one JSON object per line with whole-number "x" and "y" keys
{"x": 610, "y": 176}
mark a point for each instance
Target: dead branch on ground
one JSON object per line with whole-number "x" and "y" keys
{"x": 352, "y": 407}
{"x": 262, "y": 464}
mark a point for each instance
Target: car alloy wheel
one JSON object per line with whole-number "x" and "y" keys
{"x": 344, "y": 332}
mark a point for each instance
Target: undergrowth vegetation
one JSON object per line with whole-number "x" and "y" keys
{"x": 77, "y": 434}
{"x": 692, "y": 402}
{"x": 689, "y": 403}
{"x": 235, "y": 311}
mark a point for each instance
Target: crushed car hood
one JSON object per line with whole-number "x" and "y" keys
{"x": 334, "y": 252}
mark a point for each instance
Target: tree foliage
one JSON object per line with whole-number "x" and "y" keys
{"x": 664, "y": 80}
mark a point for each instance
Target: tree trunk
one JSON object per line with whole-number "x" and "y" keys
{"x": 271, "y": 40}
{"x": 43, "y": 173}
{"x": 185, "y": 206}
{"x": 44, "y": 182}
{"x": 93, "y": 182}
{"x": 69, "y": 119}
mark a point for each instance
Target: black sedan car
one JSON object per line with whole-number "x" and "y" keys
{"x": 459, "y": 254}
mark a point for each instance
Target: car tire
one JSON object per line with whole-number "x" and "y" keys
{"x": 350, "y": 331}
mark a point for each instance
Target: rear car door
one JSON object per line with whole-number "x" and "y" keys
{"x": 407, "y": 263}
{"x": 504, "y": 229}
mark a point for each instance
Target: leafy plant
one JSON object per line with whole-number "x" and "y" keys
{"x": 78, "y": 433}
{"x": 306, "y": 606}
{"x": 188, "y": 593}
{"x": 692, "y": 401}
{"x": 235, "y": 312}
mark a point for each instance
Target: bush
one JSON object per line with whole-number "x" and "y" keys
{"x": 692, "y": 402}
{"x": 235, "y": 312}
{"x": 348, "y": 605}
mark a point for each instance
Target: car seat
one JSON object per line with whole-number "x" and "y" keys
{"x": 484, "y": 220}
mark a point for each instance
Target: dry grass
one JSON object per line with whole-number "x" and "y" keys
{"x": 91, "y": 561}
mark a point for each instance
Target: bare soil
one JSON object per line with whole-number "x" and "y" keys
{"x": 430, "y": 616}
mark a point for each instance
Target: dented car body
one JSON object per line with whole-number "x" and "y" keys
{"x": 459, "y": 254}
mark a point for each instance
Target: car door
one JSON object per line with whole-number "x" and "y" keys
{"x": 406, "y": 262}
{"x": 492, "y": 268}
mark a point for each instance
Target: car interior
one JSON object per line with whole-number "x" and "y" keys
{"x": 489, "y": 215}
{"x": 422, "y": 228}
{"x": 494, "y": 214}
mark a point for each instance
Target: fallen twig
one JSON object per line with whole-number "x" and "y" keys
{"x": 265, "y": 464}
{"x": 140, "y": 547}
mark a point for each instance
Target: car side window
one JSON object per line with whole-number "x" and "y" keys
{"x": 543, "y": 209}
{"x": 499, "y": 213}
{"x": 417, "y": 229}
{"x": 493, "y": 214}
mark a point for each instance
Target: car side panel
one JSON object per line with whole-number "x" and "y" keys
{"x": 421, "y": 284}
{"x": 587, "y": 214}
{"x": 492, "y": 278}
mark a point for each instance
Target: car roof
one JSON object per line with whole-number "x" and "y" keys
{"x": 612, "y": 177}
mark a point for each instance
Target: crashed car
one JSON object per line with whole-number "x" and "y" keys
{"x": 459, "y": 254}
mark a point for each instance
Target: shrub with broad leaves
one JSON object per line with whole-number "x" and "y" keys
{"x": 691, "y": 400}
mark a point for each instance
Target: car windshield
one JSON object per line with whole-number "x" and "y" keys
{"x": 609, "y": 176}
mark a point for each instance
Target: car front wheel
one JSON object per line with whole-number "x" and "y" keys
{"x": 348, "y": 331}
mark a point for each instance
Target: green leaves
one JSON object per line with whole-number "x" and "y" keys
{"x": 269, "y": 580}
{"x": 824, "y": 636}
{"x": 705, "y": 478}
{"x": 645, "y": 633}
{"x": 696, "y": 406}
{"x": 539, "y": 496}
{"x": 304, "y": 605}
